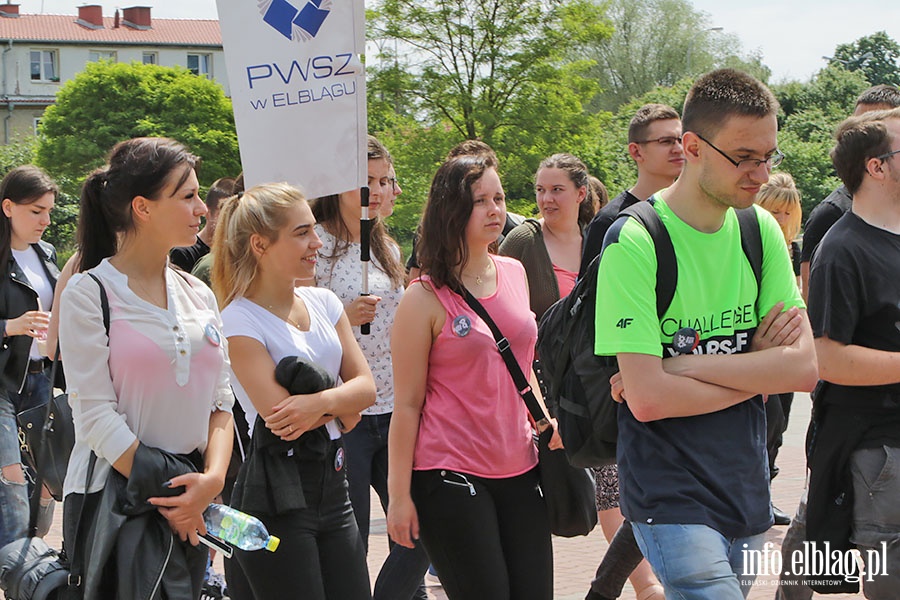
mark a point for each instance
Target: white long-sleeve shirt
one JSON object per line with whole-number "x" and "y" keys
{"x": 158, "y": 379}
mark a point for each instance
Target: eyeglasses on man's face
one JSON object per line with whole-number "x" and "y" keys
{"x": 667, "y": 141}
{"x": 748, "y": 164}
{"x": 887, "y": 155}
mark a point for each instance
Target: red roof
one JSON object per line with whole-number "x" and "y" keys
{"x": 63, "y": 28}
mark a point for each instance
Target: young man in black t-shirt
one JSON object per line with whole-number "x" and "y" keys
{"x": 832, "y": 208}
{"x": 855, "y": 314}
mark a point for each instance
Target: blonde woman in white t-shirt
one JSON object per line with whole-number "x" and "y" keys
{"x": 158, "y": 382}
{"x": 265, "y": 243}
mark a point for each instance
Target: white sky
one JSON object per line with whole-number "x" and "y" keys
{"x": 793, "y": 35}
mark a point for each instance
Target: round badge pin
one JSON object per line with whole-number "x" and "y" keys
{"x": 339, "y": 459}
{"x": 462, "y": 325}
{"x": 685, "y": 340}
{"x": 212, "y": 334}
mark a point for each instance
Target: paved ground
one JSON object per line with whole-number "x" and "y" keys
{"x": 576, "y": 559}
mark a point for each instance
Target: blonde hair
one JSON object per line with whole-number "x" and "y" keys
{"x": 260, "y": 210}
{"x": 780, "y": 193}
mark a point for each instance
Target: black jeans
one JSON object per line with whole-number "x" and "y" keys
{"x": 487, "y": 538}
{"x": 321, "y": 555}
{"x": 778, "y": 410}
{"x": 621, "y": 559}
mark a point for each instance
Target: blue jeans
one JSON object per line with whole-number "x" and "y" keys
{"x": 401, "y": 575}
{"x": 696, "y": 562}
{"x": 13, "y": 495}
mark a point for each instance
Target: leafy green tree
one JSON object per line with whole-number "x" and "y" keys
{"x": 811, "y": 112}
{"x": 657, "y": 43}
{"x": 876, "y": 55}
{"x": 477, "y": 65}
{"x": 496, "y": 70}
{"x": 110, "y": 102}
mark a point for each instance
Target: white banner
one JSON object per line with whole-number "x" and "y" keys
{"x": 299, "y": 91}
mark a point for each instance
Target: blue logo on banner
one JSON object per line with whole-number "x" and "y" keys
{"x": 297, "y": 24}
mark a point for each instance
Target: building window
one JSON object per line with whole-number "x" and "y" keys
{"x": 150, "y": 58}
{"x": 200, "y": 64}
{"x": 98, "y": 55}
{"x": 37, "y": 126}
{"x": 44, "y": 65}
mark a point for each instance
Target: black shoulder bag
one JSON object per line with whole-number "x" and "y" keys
{"x": 569, "y": 491}
{"x": 47, "y": 436}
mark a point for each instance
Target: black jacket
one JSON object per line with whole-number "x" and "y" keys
{"x": 16, "y": 298}
{"x": 268, "y": 482}
{"x": 129, "y": 549}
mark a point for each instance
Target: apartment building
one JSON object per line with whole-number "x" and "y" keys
{"x": 39, "y": 53}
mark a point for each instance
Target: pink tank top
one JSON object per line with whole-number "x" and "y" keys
{"x": 474, "y": 420}
{"x": 565, "y": 280}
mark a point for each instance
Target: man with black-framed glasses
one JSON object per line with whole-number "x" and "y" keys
{"x": 654, "y": 143}
{"x": 693, "y": 470}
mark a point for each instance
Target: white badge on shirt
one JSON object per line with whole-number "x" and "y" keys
{"x": 212, "y": 334}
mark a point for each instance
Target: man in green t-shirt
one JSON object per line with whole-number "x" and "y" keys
{"x": 693, "y": 472}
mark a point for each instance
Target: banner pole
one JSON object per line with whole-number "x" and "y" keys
{"x": 365, "y": 231}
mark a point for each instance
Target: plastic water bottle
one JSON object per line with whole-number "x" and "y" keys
{"x": 238, "y": 529}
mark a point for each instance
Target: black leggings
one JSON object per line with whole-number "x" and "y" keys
{"x": 487, "y": 538}
{"x": 321, "y": 555}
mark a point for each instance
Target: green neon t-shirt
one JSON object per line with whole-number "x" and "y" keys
{"x": 715, "y": 295}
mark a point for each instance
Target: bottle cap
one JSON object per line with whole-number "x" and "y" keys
{"x": 272, "y": 543}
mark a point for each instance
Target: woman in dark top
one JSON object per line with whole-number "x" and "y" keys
{"x": 28, "y": 195}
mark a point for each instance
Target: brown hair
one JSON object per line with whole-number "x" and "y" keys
{"x": 645, "y": 115}
{"x": 883, "y": 94}
{"x": 23, "y": 185}
{"x": 441, "y": 249}
{"x": 327, "y": 211}
{"x": 136, "y": 167}
{"x": 578, "y": 175}
{"x": 722, "y": 94}
{"x": 599, "y": 193}
{"x": 474, "y": 148}
{"x": 859, "y": 139}
{"x": 218, "y": 191}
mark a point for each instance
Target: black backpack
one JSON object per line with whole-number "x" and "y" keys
{"x": 578, "y": 380}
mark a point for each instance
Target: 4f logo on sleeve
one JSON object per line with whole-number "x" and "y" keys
{"x": 623, "y": 323}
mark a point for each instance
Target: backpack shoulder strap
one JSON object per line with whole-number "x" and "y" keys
{"x": 666, "y": 266}
{"x": 751, "y": 241}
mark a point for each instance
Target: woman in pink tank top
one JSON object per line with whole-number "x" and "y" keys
{"x": 462, "y": 475}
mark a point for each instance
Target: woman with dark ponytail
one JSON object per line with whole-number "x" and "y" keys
{"x": 155, "y": 390}
{"x": 26, "y": 292}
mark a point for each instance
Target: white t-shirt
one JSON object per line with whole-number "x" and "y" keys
{"x": 33, "y": 268}
{"x": 320, "y": 345}
{"x": 342, "y": 275}
{"x": 157, "y": 378}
